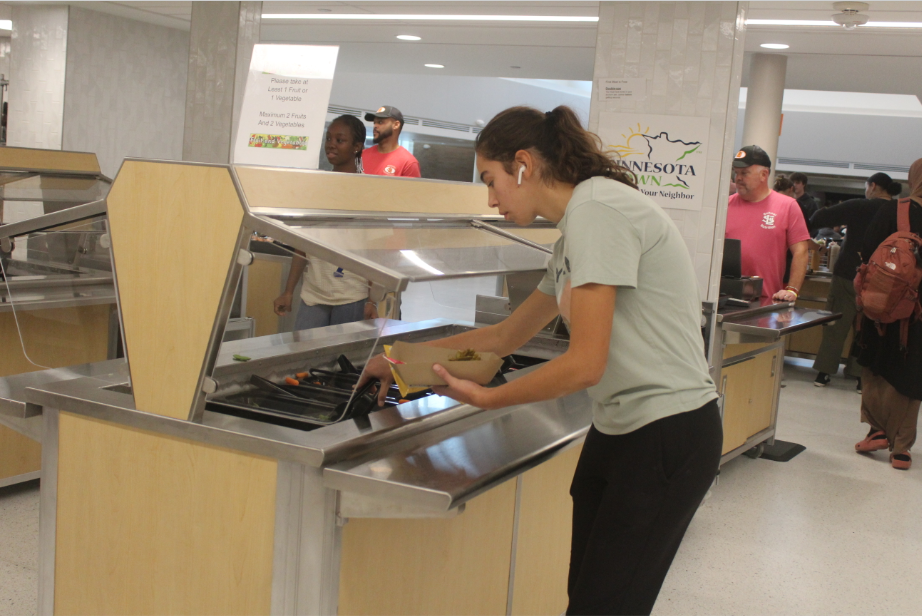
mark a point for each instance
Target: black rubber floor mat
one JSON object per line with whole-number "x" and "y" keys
{"x": 781, "y": 451}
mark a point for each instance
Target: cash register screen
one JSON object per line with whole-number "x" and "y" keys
{"x": 732, "y": 266}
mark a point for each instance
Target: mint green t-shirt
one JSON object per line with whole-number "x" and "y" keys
{"x": 614, "y": 235}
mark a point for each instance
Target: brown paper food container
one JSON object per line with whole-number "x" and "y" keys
{"x": 416, "y": 371}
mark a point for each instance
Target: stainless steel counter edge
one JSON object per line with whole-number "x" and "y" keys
{"x": 343, "y": 479}
{"x": 88, "y": 397}
{"x": 13, "y": 388}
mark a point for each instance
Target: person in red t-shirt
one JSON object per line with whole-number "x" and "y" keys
{"x": 387, "y": 156}
{"x": 767, "y": 224}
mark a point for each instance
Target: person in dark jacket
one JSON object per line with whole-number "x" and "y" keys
{"x": 891, "y": 377}
{"x": 857, "y": 215}
{"x": 808, "y": 203}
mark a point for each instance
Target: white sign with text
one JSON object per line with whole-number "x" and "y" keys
{"x": 668, "y": 154}
{"x": 285, "y": 106}
{"x": 622, "y": 88}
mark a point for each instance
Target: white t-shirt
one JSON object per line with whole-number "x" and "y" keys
{"x": 612, "y": 234}
{"x": 326, "y": 284}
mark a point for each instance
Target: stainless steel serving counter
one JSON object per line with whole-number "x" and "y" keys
{"x": 747, "y": 362}
{"x": 433, "y": 453}
{"x": 770, "y": 322}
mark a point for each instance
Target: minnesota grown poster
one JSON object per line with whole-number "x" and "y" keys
{"x": 668, "y": 154}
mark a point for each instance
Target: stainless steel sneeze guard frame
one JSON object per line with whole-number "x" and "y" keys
{"x": 466, "y": 450}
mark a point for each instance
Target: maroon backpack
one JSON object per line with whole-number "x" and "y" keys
{"x": 887, "y": 286}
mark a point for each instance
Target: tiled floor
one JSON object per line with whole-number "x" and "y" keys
{"x": 830, "y": 532}
{"x": 19, "y": 549}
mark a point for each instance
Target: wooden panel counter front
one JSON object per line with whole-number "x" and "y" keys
{"x": 54, "y": 338}
{"x": 748, "y": 381}
{"x": 151, "y": 524}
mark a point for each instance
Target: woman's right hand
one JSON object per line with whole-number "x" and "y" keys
{"x": 282, "y": 304}
{"x": 378, "y": 368}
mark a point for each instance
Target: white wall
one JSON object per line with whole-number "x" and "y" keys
{"x": 851, "y": 138}
{"x": 125, "y": 88}
{"x": 452, "y": 99}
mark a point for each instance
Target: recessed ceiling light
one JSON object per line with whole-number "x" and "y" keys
{"x": 400, "y": 17}
{"x": 6, "y": 24}
{"x": 774, "y": 45}
{"x": 434, "y": 65}
{"x": 409, "y": 37}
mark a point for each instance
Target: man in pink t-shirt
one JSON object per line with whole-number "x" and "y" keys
{"x": 387, "y": 156}
{"x": 767, "y": 224}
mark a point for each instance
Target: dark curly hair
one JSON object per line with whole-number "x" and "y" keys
{"x": 359, "y": 132}
{"x": 567, "y": 152}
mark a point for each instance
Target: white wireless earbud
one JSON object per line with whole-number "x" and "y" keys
{"x": 521, "y": 171}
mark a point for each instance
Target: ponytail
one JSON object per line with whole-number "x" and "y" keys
{"x": 568, "y": 153}
{"x": 887, "y": 183}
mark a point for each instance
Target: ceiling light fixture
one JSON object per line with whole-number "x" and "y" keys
{"x": 6, "y": 24}
{"x": 893, "y": 24}
{"x": 774, "y": 45}
{"x": 434, "y": 65}
{"x": 806, "y": 22}
{"x": 788, "y": 22}
{"x": 399, "y": 17}
{"x": 409, "y": 37}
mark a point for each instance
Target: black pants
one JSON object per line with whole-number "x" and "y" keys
{"x": 633, "y": 498}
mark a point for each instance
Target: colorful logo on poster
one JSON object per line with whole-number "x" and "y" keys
{"x": 657, "y": 158}
{"x": 280, "y": 142}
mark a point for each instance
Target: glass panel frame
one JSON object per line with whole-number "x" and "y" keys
{"x": 395, "y": 249}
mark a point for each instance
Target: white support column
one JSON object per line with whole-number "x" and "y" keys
{"x": 690, "y": 58}
{"x": 38, "y": 62}
{"x": 762, "y": 123}
{"x": 220, "y": 48}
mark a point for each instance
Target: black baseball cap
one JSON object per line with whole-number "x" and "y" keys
{"x": 751, "y": 155}
{"x": 385, "y": 112}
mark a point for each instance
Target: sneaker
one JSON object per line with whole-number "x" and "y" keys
{"x": 873, "y": 442}
{"x": 822, "y": 379}
{"x": 901, "y": 461}
{"x": 858, "y": 388}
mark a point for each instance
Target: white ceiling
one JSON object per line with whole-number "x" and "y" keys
{"x": 831, "y": 59}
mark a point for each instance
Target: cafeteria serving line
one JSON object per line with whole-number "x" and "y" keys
{"x": 386, "y": 473}
{"x": 219, "y": 458}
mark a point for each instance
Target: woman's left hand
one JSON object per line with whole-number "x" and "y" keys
{"x": 370, "y": 311}
{"x": 466, "y": 392}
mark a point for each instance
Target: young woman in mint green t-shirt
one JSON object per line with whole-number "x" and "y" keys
{"x": 623, "y": 281}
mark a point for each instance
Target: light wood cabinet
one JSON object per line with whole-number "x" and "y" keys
{"x": 749, "y": 389}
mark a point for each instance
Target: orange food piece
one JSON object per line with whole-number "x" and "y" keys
{"x": 291, "y": 381}
{"x": 402, "y": 400}
{"x": 302, "y": 375}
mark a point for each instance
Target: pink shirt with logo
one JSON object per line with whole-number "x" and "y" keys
{"x": 399, "y": 163}
{"x": 766, "y": 229}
